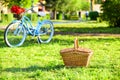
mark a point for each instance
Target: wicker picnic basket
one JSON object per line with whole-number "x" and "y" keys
{"x": 73, "y": 57}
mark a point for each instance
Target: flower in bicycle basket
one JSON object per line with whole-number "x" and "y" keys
{"x": 17, "y": 10}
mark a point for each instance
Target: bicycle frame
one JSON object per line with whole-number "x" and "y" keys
{"x": 27, "y": 23}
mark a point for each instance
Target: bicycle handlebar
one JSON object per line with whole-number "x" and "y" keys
{"x": 35, "y": 11}
{"x": 32, "y": 7}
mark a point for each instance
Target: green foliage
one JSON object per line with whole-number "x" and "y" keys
{"x": 34, "y": 17}
{"x": 7, "y": 17}
{"x": 59, "y": 16}
{"x": 84, "y": 5}
{"x": 23, "y": 3}
{"x": 47, "y": 16}
{"x": 9, "y": 3}
{"x": 68, "y": 5}
{"x": 71, "y": 16}
{"x": 75, "y": 17}
{"x": 67, "y": 16}
{"x": 27, "y": 3}
{"x": 93, "y": 15}
{"x": 60, "y": 5}
{"x": 10, "y": 17}
{"x": 111, "y": 12}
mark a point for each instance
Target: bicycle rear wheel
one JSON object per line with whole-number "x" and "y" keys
{"x": 46, "y": 32}
{"x": 14, "y": 34}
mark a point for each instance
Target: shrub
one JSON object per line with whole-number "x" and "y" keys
{"x": 67, "y": 16}
{"x": 47, "y": 16}
{"x": 60, "y": 16}
{"x": 6, "y": 17}
{"x": 10, "y": 17}
{"x": 93, "y": 15}
{"x": 111, "y": 12}
{"x": 74, "y": 17}
{"x": 34, "y": 16}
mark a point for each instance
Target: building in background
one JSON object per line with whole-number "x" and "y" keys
{"x": 95, "y": 5}
{"x": 3, "y": 10}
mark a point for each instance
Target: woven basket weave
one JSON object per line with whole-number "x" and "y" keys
{"x": 73, "y": 57}
{"x": 17, "y": 16}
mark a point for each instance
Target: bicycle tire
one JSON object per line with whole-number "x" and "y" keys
{"x": 14, "y": 34}
{"x": 46, "y": 32}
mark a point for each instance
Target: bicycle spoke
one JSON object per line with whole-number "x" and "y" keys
{"x": 14, "y": 34}
{"x": 46, "y": 32}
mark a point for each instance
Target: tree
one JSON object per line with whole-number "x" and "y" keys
{"x": 84, "y": 5}
{"x": 111, "y": 12}
{"x": 72, "y": 5}
{"x": 23, "y": 3}
{"x": 68, "y": 5}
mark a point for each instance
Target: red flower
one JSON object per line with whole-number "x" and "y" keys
{"x": 17, "y": 10}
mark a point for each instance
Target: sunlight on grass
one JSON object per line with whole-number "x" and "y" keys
{"x": 33, "y": 61}
{"x": 85, "y": 27}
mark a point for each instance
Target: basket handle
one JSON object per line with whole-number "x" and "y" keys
{"x": 76, "y": 46}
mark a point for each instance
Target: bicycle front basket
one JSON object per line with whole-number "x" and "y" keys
{"x": 17, "y": 16}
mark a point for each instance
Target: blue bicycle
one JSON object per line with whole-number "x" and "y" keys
{"x": 17, "y": 31}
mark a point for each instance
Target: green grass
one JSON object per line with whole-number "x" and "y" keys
{"x": 34, "y": 61}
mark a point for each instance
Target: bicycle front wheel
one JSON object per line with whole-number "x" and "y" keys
{"x": 46, "y": 32}
{"x": 14, "y": 34}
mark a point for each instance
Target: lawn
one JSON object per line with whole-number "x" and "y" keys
{"x": 33, "y": 61}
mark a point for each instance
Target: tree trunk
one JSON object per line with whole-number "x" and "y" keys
{"x": 91, "y": 5}
{"x": 54, "y": 14}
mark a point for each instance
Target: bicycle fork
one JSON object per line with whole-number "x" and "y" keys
{"x": 18, "y": 30}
